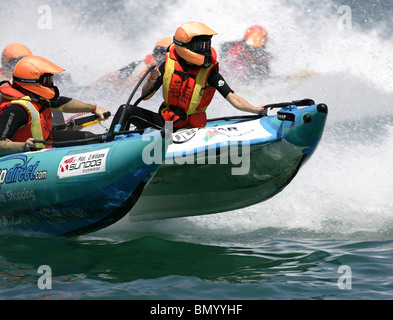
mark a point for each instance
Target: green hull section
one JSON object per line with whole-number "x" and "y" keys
{"x": 276, "y": 151}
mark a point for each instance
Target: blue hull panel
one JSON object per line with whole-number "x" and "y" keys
{"x": 71, "y": 191}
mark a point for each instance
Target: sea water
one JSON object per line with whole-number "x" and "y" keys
{"x": 328, "y": 235}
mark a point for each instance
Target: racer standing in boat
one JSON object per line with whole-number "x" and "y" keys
{"x": 189, "y": 76}
{"x": 247, "y": 60}
{"x": 25, "y": 107}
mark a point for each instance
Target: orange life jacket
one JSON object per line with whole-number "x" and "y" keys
{"x": 40, "y": 119}
{"x": 186, "y": 93}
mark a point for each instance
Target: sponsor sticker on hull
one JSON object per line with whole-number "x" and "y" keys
{"x": 19, "y": 169}
{"x": 83, "y": 164}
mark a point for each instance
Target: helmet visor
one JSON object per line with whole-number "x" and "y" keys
{"x": 200, "y": 46}
{"x": 46, "y": 80}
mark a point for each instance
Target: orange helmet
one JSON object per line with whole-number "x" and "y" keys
{"x": 256, "y": 36}
{"x": 164, "y": 42}
{"x": 160, "y": 49}
{"x": 12, "y": 54}
{"x": 35, "y": 74}
{"x": 193, "y": 43}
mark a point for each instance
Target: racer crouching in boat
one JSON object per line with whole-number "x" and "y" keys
{"x": 189, "y": 76}
{"x": 120, "y": 80}
{"x": 11, "y": 54}
{"x": 25, "y": 107}
{"x": 247, "y": 60}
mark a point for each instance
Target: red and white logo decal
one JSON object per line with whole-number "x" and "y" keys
{"x": 83, "y": 164}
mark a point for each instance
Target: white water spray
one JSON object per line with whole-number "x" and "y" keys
{"x": 346, "y": 187}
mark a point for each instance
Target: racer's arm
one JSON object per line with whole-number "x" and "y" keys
{"x": 69, "y": 105}
{"x": 154, "y": 82}
{"x": 243, "y": 105}
{"x": 217, "y": 80}
{"x": 11, "y": 119}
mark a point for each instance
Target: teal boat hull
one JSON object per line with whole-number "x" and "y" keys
{"x": 199, "y": 177}
{"x": 74, "y": 190}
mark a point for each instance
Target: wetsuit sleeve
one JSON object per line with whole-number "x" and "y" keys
{"x": 11, "y": 119}
{"x": 217, "y": 81}
{"x": 59, "y": 102}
